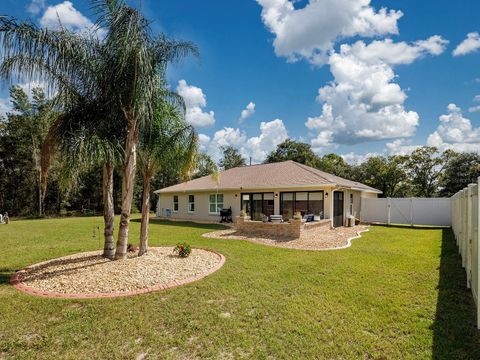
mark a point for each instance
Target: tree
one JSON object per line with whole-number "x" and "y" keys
{"x": 334, "y": 164}
{"x": 231, "y": 158}
{"x": 25, "y": 131}
{"x": 293, "y": 150}
{"x": 112, "y": 79}
{"x": 387, "y": 174}
{"x": 460, "y": 170}
{"x": 169, "y": 141}
{"x": 204, "y": 166}
{"x": 425, "y": 167}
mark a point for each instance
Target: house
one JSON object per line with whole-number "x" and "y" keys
{"x": 278, "y": 188}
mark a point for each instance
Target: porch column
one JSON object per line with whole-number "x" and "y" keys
{"x": 276, "y": 202}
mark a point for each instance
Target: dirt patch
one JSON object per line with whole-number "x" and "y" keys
{"x": 315, "y": 239}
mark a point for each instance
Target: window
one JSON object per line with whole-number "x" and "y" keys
{"x": 305, "y": 202}
{"x": 175, "y": 203}
{"x": 215, "y": 203}
{"x": 351, "y": 204}
{"x": 191, "y": 203}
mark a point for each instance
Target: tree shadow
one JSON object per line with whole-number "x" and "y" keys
{"x": 5, "y": 275}
{"x": 455, "y": 334}
{"x": 185, "y": 223}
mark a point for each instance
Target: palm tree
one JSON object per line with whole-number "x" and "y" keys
{"x": 135, "y": 61}
{"x": 167, "y": 141}
{"x": 108, "y": 82}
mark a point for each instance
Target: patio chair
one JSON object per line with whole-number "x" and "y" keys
{"x": 276, "y": 218}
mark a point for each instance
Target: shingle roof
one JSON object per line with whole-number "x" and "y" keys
{"x": 280, "y": 174}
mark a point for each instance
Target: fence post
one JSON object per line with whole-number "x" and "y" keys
{"x": 388, "y": 210}
{"x": 477, "y": 265}
{"x": 411, "y": 211}
{"x": 469, "y": 235}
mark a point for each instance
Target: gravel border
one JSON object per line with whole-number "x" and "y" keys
{"x": 16, "y": 281}
{"x": 313, "y": 240}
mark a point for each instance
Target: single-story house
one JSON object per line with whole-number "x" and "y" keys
{"x": 267, "y": 189}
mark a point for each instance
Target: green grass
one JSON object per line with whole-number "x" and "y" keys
{"x": 396, "y": 293}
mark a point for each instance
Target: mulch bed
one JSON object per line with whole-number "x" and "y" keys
{"x": 88, "y": 274}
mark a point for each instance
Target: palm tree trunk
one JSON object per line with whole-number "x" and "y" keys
{"x": 108, "y": 211}
{"x": 128, "y": 183}
{"x": 145, "y": 215}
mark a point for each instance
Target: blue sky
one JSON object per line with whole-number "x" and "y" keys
{"x": 393, "y": 74}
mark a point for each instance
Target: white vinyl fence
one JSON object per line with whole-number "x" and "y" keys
{"x": 412, "y": 211}
{"x": 465, "y": 220}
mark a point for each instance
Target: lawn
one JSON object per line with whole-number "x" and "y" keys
{"x": 396, "y": 293}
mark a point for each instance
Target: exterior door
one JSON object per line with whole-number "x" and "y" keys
{"x": 338, "y": 208}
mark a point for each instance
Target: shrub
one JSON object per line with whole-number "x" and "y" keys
{"x": 298, "y": 215}
{"x": 132, "y": 248}
{"x": 182, "y": 249}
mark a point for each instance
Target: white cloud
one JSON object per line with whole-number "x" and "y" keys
{"x": 363, "y": 103}
{"x": 258, "y": 147}
{"x": 455, "y": 132}
{"x": 400, "y": 147}
{"x": 356, "y": 159}
{"x": 475, "y": 108}
{"x": 195, "y": 101}
{"x": 247, "y": 112}
{"x": 65, "y": 15}
{"x": 470, "y": 44}
{"x": 35, "y": 6}
{"x": 311, "y": 31}
{"x": 395, "y": 53}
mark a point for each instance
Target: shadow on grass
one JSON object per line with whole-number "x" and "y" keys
{"x": 5, "y": 275}
{"x": 421, "y": 227}
{"x": 185, "y": 223}
{"x": 455, "y": 334}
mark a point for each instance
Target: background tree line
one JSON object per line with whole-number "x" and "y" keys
{"x": 424, "y": 173}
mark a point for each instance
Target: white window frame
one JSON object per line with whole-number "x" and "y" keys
{"x": 175, "y": 202}
{"x": 190, "y": 203}
{"x": 216, "y": 203}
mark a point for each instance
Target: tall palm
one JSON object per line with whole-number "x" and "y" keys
{"x": 168, "y": 141}
{"x": 135, "y": 61}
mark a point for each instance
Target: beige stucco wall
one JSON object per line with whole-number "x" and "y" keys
{"x": 232, "y": 199}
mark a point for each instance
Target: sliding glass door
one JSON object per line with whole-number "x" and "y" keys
{"x": 258, "y": 204}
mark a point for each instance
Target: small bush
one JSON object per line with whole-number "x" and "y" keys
{"x": 182, "y": 250}
{"x": 132, "y": 248}
{"x": 298, "y": 215}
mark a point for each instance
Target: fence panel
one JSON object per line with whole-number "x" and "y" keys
{"x": 465, "y": 212}
{"x": 412, "y": 211}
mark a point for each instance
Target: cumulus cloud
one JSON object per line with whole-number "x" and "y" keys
{"x": 258, "y": 147}
{"x": 195, "y": 101}
{"x": 363, "y": 102}
{"x": 247, "y": 112}
{"x": 356, "y": 159}
{"x": 395, "y": 53}
{"x": 470, "y": 44}
{"x": 400, "y": 147}
{"x": 65, "y": 15}
{"x": 455, "y": 132}
{"x": 310, "y": 32}
{"x": 35, "y": 7}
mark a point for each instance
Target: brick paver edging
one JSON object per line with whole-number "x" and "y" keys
{"x": 16, "y": 281}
